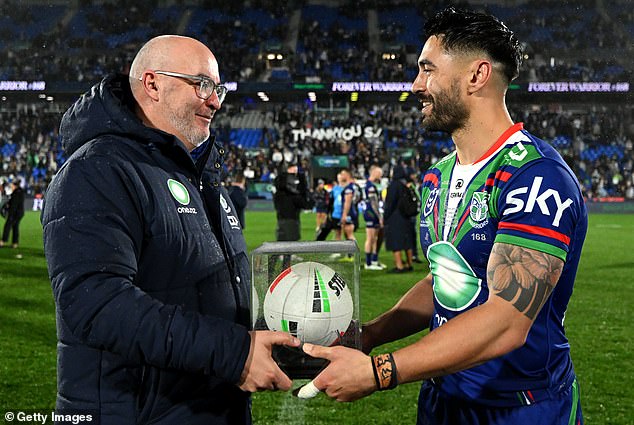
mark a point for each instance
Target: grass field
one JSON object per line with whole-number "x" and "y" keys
{"x": 598, "y": 324}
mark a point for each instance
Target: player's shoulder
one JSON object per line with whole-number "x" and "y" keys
{"x": 527, "y": 155}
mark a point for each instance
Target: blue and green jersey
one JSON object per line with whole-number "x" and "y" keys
{"x": 521, "y": 192}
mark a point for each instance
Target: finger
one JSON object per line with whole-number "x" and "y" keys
{"x": 282, "y": 382}
{"x": 308, "y": 391}
{"x": 283, "y": 338}
{"x": 317, "y": 351}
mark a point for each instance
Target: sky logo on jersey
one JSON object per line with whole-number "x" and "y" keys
{"x": 431, "y": 200}
{"x": 456, "y": 285}
{"x": 479, "y": 210}
{"x": 536, "y": 198}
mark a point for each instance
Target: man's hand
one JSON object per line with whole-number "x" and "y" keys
{"x": 260, "y": 371}
{"x": 348, "y": 377}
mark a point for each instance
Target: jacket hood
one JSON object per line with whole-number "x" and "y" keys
{"x": 107, "y": 108}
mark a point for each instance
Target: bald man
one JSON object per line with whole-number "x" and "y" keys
{"x": 145, "y": 253}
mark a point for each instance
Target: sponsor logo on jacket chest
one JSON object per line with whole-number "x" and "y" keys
{"x": 180, "y": 193}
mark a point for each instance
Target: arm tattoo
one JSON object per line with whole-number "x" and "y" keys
{"x": 524, "y": 277}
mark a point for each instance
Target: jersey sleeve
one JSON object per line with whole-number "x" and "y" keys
{"x": 539, "y": 208}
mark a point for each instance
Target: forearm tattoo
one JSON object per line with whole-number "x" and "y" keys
{"x": 522, "y": 276}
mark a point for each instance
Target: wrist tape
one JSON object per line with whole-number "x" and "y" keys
{"x": 384, "y": 369}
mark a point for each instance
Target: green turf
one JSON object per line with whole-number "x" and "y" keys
{"x": 597, "y": 322}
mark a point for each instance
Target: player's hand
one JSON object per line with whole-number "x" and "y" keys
{"x": 260, "y": 370}
{"x": 348, "y": 377}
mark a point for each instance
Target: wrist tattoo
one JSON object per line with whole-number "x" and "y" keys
{"x": 384, "y": 369}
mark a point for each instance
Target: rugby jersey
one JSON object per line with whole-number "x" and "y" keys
{"x": 372, "y": 194}
{"x": 521, "y": 192}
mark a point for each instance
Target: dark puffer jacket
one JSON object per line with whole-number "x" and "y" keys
{"x": 149, "y": 272}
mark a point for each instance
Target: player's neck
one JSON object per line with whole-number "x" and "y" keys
{"x": 480, "y": 133}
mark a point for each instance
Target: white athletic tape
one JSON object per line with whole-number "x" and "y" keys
{"x": 308, "y": 391}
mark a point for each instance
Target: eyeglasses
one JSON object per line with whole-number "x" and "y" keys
{"x": 205, "y": 87}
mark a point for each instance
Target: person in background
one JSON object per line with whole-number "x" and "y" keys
{"x": 238, "y": 194}
{"x": 398, "y": 234}
{"x": 14, "y": 209}
{"x": 349, "y": 199}
{"x": 321, "y": 197}
{"x": 290, "y": 198}
{"x": 413, "y": 180}
{"x": 373, "y": 218}
{"x": 147, "y": 260}
{"x": 337, "y": 207}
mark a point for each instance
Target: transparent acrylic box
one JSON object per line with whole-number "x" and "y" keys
{"x": 272, "y": 259}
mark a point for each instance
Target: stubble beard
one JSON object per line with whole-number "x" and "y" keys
{"x": 449, "y": 113}
{"x": 193, "y": 134}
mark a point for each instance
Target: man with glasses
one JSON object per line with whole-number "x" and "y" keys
{"x": 146, "y": 256}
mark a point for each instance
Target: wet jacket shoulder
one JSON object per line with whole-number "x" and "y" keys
{"x": 152, "y": 321}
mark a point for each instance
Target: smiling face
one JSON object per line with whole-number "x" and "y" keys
{"x": 439, "y": 88}
{"x": 170, "y": 102}
{"x": 188, "y": 116}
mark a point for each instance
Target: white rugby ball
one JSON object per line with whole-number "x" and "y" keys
{"x": 310, "y": 301}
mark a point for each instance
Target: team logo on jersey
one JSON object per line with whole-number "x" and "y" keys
{"x": 431, "y": 201}
{"x": 479, "y": 210}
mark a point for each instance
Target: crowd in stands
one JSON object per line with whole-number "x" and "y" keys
{"x": 81, "y": 43}
{"x": 62, "y": 43}
{"x": 597, "y": 143}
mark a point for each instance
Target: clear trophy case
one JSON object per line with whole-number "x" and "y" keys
{"x": 310, "y": 290}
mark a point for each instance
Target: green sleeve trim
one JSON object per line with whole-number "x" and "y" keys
{"x": 527, "y": 243}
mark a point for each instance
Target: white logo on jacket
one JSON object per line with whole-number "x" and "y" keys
{"x": 232, "y": 219}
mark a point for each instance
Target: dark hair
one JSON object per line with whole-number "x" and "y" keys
{"x": 466, "y": 31}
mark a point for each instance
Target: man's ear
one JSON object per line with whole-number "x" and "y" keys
{"x": 480, "y": 74}
{"x": 150, "y": 85}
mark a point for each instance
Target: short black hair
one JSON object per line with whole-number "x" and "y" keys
{"x": 465, "y": 31}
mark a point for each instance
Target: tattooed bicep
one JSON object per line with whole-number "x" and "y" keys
{"x": 522, "y": 276}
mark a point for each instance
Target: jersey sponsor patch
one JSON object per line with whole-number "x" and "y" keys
{"x": 549, "y": 201}
{"x": 456, "y": 285}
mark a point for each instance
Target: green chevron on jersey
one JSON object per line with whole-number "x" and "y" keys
{"x": 476, "y": 206}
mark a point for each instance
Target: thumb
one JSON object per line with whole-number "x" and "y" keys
{"x": 317, "y": 351}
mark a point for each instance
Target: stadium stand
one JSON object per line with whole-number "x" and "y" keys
{"x": 73, "y": 44}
